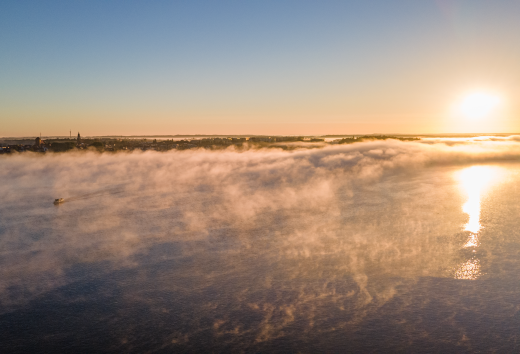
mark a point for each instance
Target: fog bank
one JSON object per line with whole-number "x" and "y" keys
{"x": 256, "y": 224}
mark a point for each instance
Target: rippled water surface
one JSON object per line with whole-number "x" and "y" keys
{"x": 328, "y": 251}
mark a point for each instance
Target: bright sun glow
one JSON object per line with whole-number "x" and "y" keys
{"x": 479, "y": 104}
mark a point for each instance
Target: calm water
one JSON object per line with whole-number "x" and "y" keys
{"x": 418, "y": 259}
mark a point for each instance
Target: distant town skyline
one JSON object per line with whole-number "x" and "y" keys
{"x": 260, "y": 67}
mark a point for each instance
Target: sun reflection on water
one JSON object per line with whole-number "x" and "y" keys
{"x": 474, "y": 180}
{"x": 469, "y": 270}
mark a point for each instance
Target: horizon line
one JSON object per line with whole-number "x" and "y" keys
{"x": 251, "y": 135}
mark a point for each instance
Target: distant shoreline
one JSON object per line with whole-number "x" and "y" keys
{"x": 180, "y": 136}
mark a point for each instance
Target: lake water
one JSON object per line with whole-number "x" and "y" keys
{"x": 260, "y": 252}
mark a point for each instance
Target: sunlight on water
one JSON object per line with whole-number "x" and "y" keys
{"x": 474, "y": 181}
{"x": 469, "y": 270}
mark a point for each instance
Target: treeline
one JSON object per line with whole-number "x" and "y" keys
{"x": 373, "y": 137}
{"x": 62, "y": 146}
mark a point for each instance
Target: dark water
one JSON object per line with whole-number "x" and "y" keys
{"x": 381, "y": 266}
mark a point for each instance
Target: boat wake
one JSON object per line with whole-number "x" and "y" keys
{"x": 99, "y": 193}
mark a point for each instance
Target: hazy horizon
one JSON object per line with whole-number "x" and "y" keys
{"x": 74, "y": 136}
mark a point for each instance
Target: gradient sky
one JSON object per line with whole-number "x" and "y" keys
{"x": 255, "y": 67}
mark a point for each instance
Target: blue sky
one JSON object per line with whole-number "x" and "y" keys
{"x": 264, "y": 67}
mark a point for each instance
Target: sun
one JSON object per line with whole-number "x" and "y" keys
{"x": 479, "y": 104}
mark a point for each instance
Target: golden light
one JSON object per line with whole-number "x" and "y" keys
{"x": 479, "y": 104}
{"x": 469, "y": 270}
{"x": 474, "y": 181}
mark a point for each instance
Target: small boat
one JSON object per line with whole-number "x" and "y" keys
{"x": 58, "y": 201}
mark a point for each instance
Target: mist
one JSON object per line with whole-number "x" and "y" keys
{"x": 282, "y": 236}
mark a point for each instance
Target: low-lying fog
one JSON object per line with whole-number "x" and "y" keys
{"x": 362, "y": 247}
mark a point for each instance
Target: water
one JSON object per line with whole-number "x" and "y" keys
{"x": 259, "y": 252}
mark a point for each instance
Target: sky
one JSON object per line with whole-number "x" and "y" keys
{"x": 257, "y": 67}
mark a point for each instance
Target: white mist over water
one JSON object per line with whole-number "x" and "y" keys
{"x": 263, "y": 245}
